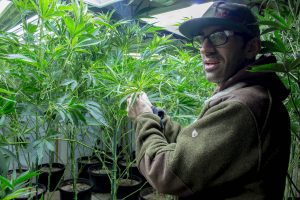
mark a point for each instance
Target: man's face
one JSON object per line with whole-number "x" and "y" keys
{"x": 221, "y": 62}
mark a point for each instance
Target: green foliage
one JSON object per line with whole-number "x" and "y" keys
{"x": 73, "y": 70}
{"x": 281, "y": 26}
{"x": 16, "y": 186}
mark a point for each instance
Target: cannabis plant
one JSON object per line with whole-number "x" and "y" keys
{"x": 71, "y": 72}
{"x": 15, "y": 186}
{"x": 281, "y": 25}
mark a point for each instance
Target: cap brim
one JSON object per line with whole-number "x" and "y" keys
{"x": 195, "y": 26}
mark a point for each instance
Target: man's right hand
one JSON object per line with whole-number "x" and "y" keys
{"x": 141, "y": 105}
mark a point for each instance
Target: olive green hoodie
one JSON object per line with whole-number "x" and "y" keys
{"x": 237, "y": 149}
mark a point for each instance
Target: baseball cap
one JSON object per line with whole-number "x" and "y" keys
{"x": 237, "y": 17}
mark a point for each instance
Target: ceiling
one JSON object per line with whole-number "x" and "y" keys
{"x": 163, "y": 13}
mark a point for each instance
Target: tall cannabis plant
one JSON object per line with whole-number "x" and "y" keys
{"x": 281, "y": 25}
{"x": 45, "y": 75}
{"x": 72, "y": 71}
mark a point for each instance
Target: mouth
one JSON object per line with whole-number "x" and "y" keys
{"x": 210, "y": 65}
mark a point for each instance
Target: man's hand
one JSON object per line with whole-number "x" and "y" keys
{"x": 140, "y": 106}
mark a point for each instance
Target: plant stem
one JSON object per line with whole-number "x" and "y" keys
{"x": 114, "y": 170}
{"x": 74, "y": 141}
{"x": 73, "y": 165}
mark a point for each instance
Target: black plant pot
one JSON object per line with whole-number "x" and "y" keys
{"x": 99, "y": 178}
{"x": 106, "y": 157}
{"x": 39, "y": 193}
{"x": 84, "y": 189}
{"x": 57, "y": 171}
{"x": 83, "y": 163}
{"x": 129, "y": 188}
{"x": 147, "y": 193}
{"x": 18, "y": 173}
{"x": 132, "y": 169}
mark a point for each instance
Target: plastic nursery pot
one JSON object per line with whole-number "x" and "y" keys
{"x": 129, "y": 188}
{"x": 106, "y": 156}
{"x": 99, "y": 178}
{"x": 54, "y": 172}
{"x": 39, "y": 191}
{"x": 83, "y": 163}
{"x": 149, "y": 193}
{"x": 18, "y": 172}
{"x": 84, "y": 189}
{"x": 132, "y": 169}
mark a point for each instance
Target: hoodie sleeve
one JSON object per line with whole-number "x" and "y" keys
{"x": 170, "y": 129}
{"x": 217, "y": 149}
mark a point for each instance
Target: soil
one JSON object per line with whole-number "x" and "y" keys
{"x": 18, "y": 173}
{"x": 47, "y": 169}
{"x": 157, "y": 196}
{"x": 151, "y": 194}
{"x": 89, "y": 161}
{"x": 100, "y": 171}
{"x": 79, "y": 186}
{"x": 132, "y": 164}
{"x": 128, "y": 182}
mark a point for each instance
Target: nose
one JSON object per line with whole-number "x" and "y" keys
{"x": 207, "y": 47}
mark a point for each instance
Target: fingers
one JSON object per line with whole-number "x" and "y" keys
{"x": 128, "y": 100}
{"x": 142, "y": 96}
{"x": 128, "y": 109}
{"x": 145, "y": 98}
{"x": 140, "y": 105}
{"x": 131, "y": 108}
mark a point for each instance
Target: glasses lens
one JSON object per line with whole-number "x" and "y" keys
{"x": 218, "y": 38}
{"x": 198, "y": 41}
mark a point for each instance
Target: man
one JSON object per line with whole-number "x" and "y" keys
{"x": 238, "y": 148}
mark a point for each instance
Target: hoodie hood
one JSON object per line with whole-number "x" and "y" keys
{"x": 266, "y": 79}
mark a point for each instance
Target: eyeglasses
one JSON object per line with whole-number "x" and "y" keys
{"x": 216, "y": 38}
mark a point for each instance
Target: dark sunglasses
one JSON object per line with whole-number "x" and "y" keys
{"x": 216, "y": 38}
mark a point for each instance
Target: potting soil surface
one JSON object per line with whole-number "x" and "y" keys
{"x": 95, "y": 196}
{"x": 47, "y": 169}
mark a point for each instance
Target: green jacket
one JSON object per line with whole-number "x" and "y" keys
{"x": 237, "y": 149}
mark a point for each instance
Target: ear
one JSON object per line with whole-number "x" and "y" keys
{"x": 252, "y": 48}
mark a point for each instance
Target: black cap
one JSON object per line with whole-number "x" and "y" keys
{"x": 237, "y": 17}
